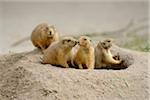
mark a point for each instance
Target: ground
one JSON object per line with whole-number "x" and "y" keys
{"x": 23, "y": 77}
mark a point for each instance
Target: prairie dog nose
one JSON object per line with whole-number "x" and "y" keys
{"x": 77, "y": 42}
{"x": 50, "y": 33}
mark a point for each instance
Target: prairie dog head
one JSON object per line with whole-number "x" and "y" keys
{"x": 85, "y": 41}
{"x": 50, "y": 31}
{"x": 106, "y": 44}
{"x": 69, "y": 42}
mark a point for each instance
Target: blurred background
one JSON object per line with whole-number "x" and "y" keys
{"x": 126, "y": 22}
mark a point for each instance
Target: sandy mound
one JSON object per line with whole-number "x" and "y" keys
{"x": 22, "y": 77}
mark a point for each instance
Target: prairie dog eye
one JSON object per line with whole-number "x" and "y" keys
{"x": 46, "y": 29}
{"x": 84, "y": 39}
{"x": 103, "y": 43}
{"x": 108, "y": 41}
{"x": 68, "y": 40}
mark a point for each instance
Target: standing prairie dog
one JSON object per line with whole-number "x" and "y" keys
{"x": 103, "y": 56}
{"x": 84, "y": 56}
{"x": 59, "y": 52}
{"x": 43, "y": 35}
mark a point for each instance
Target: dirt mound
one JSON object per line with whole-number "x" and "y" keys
{"x": 23, "y": 77}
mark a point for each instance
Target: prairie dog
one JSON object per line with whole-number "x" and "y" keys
{"x": 84, "y": 56}
{"x": 103, "y": 56}
{"x": 43, "y": 35}
{"x": 59, "y": 52}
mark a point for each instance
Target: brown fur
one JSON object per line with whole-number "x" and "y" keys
{"x": 103, "y": 56}
{"x": 84, "y": 56}
{"x": 43, "y": 35}
{"x": 59, "y": 52}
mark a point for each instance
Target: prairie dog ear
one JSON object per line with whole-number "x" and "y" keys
{"x": 99, "y": 44}
{"x": 46, "y": 28}
{"x": 63, "y": 41}
{"x": 90, "y": 40}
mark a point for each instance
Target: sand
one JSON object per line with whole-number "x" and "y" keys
{"x": 23, "y": 77}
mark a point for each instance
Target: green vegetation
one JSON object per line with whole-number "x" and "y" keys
{"x": 133, "y": 36}
{"x": 131, "y": 41}
{"x": 138, "y": 43}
